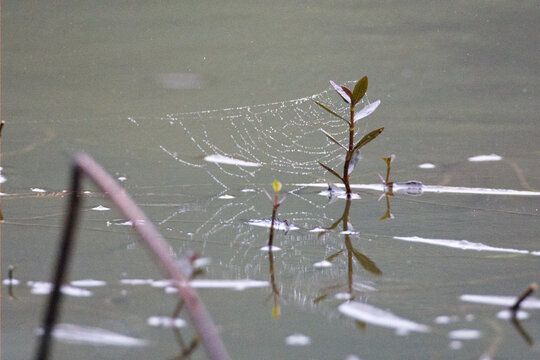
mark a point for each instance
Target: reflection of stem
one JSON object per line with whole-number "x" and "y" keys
{"x": 11, "y": 269}
{"x": 275, "y": 291}
{"x": 156, "y": 244}
{"x": 524, "y": 334}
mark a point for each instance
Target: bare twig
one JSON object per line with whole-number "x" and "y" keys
{"x": 528, "y": 292}
{"x": 84, "y": 164}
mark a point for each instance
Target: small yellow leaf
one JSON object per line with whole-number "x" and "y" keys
{"x": 277, "y": 186}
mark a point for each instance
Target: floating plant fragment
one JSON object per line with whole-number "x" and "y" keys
{"x": 460, "y": 244}
{"x": 76, "y": 334}
{"x": 375, "y": 316}
{"x": 491, "y": 157}
{"x": 220, "y": 159}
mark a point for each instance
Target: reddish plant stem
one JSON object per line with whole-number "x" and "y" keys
{"x": 349, "y": 155}
{"x": 156, "y": 244}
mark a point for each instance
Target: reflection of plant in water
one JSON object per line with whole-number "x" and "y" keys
{"x": 276, "y": 185}
{"x": 351, "y": 251}
{"x": 352, "y": 150}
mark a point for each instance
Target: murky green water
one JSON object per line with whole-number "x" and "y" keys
{"x": 455, "y": 80}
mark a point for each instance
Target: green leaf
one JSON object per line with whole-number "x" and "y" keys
{"x": 359, "y": 90}
{"x": 334, "y": 140}
{"x": 367, "y": 138}
{"x": 330, "y": 111}
{"x": 331, "y": 171}
{"x": 366, "y": 262}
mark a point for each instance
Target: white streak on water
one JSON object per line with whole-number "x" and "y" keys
{"x": 436, "y": 189}
{"x": 375, "y": 316}
{"x": 77, "y": 334}
{"x": 88, "y": 283}
{"x": 459, "y": 244}
{"x": 491, "y": 157}
{"x": 220, "y": 159}
{"x": 507, "y": 301}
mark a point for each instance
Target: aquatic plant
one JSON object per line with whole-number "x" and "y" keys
{"x": 352, "y": 150}
{"x": 276, "y": 186}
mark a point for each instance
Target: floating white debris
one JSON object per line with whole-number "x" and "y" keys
{"x": 298, "y": 340}
{"x": 507, "y": 315}
{"x": 267, "y": 248}
{"x": 491, "y": 157}
{"x": 45, "y": 288}
{"x": 445, "y": 320}
{"x": 88, "y": 283}
{"x": 427, "y": 166}
{"x": 367, "y": 110}
{"x": 228, "y": 284}
{"x": 100, "y": 208}
{"x": 348, "y": 232}
{"x": 317, "y": 230}
{"x": 220, "y": 159}
{"x": 161, "y": 283}
{"x": 248, "y": 190}
{"x": 507, "y": 301}
{"x": 122, "y": 178}
{"x": 343, "y": 296}
{"x": 226, "y": 197}
{"x": 2, "y": 179}
{"x": 464, "y": 334}
{"x": 136, "y": 281}
{"x": 323, "y": 264}
{"x": 76, "y": 334}
{"x": 459, "y": 244}
{"x": 165, "y": 322}
{"x": 278, "y": 224}
{"x": 433, "y": 189}
{"x": 38, "y": 190}
{"x": 12, "y": 282}
{"x": 379, "y": 317}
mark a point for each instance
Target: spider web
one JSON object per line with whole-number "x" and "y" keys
{"x": 281, "y": 140}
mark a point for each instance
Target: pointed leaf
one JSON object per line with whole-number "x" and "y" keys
{"x": 331, "y": 171}
{"x": 346, "y": 97}
{"x": 334, "y": 140}
{"x": 367, "y": 138}
{"x": 367, "y": 110}
{"x": 366, "y": 262}
{"x": 330, "y": 111}
{"x": 359, "y": 90}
